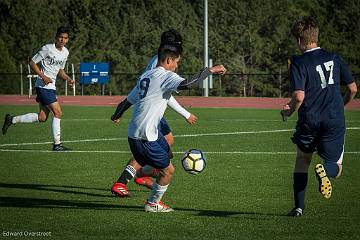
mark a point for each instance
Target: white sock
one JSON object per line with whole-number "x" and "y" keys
{"x": 26, "y": 118}
{"x": 157, "y": 193}
{"x": 56, "y": 130}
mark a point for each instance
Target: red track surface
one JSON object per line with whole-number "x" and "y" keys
{"x": 223, "y": 102}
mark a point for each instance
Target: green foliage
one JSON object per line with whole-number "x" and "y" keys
{"x": 245, "y": 36}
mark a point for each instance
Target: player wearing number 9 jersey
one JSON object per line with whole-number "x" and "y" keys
{"x": 150, "y": 99}
{"x": 315, "y": 77}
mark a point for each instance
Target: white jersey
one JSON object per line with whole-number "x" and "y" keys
{"x": 52, "y": 60}
{"x": 150, "y": 97}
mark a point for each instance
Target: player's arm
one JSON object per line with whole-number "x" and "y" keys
{"x": 296, "y": 100}
{"x": 186, "y": 84}
{"x": 62, "y": 74}
{"x": 120, "y": 109}
{"x": 37, "y": 70}
{"x": 190, "y": 118}
{"x": 351, "y": 90}
{"x": 125, "y": 104}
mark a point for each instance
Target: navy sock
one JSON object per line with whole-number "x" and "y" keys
{"x": 300, "y": 183}
{"x": 332, "y": 169}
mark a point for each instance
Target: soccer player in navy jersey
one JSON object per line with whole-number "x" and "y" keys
{"x": 316, "y": 76}
{"x": 52, "y": 58}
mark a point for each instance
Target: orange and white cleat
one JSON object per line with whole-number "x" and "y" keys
{"x": 120, "y": 190}
{"x": 157, "y": 207}
{"x": 144, "y": 181}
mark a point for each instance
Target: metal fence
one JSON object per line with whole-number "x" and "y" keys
{"x": 238, "y": 85}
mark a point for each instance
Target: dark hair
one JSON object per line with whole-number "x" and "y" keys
{"x": 169, "y": 49}
{"x": 171, "y": 35}
{"x": 61, "y": 30}
{"x": 307, "y": 29}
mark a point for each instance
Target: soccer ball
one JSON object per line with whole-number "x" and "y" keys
{"x": 193, "y": 161}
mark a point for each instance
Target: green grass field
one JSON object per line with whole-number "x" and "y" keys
{"x": 244, "y": 193}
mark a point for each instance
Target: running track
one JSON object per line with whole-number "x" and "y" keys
{"x": 221, "y": 102}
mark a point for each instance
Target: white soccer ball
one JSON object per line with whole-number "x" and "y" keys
{"x": 193, "y": 161}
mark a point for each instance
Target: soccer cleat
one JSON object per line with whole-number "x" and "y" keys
{"x": 7, "y": 123}
{"x": 157, "y": 207}
{"x": 60, "y": 148}
{"x": 144, "y": 181}
{"x": 324, "y": 182}
{"x": 295, "y": 212}
{"x": 120, "y": 190}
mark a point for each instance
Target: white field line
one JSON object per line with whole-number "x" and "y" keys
{"x": 128, "y": 152}
{"x": 176, "y": 136}
{"x": 212, "y": 120}
{"x": 123, "y": 139}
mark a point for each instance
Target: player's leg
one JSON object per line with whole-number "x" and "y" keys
{"x": 154, "y": 203}
{"x": 157, "y": 154}
{"x": 300, "y": 180}
{"x": 55, "y": 108}
{"x": 331, "y": 150}
{"x": 305, "y": 140}
{"x": 145, "y": 175}
{"x": 119, "y": 188}
{"x": 25, "y": 118}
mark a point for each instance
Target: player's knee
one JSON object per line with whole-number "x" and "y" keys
{"x": 58, "y": 113}
{"x": 169, "y": 171}
{"x": 42, "y": 117}
{"x": 340, "y": 171}
{"x": 170, "y": 141}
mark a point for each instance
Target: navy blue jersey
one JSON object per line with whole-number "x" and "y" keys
{"x": 319, "y": 74}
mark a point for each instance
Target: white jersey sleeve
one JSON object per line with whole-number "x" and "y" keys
{"x": 171, "y": 81}
{"x": 41, "y": 54}
{"x": 178, "y": 108}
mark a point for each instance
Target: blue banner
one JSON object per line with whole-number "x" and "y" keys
{"x": 94, "y": 73}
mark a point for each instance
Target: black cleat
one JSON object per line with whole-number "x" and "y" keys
{"x": 60, "y": 148}
{"x": 7, "y": 123}
{"x": 295, "y": 212}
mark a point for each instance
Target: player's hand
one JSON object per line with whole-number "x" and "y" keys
{"x": 285, "y": 112}
{"x": 192, "y": 119}
{"x": 71, "y": 82}
{"x": 218, "y": 69}
{"x": 116, "y": 120}
{"x": 46, "y": 79}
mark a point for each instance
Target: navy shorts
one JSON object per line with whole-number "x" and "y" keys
{"x": 153, "y": 153}
{"x": 45, "y": 96}
{"x": 325, "y": 137}
{"x": 164, "y": 127}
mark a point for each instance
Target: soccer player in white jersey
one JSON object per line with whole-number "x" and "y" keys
{"x": 52, "y": 58}
{"x": 147, "y": 144}
{"x": 144, "y": 175}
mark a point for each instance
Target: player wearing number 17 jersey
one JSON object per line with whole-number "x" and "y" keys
{"x": 315, "y": 77}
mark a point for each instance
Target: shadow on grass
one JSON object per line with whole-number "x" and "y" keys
{"x": 25, "y": 202}
{"x": 87, "y": 191}
{"x": 20, "y": 202}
